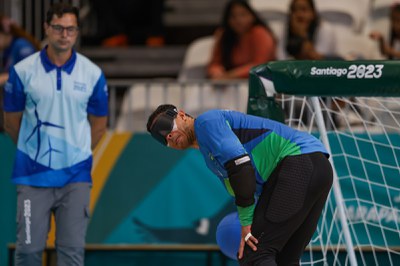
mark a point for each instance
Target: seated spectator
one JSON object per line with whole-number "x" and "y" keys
{"x": 390, "y": 49}
{"x": 242, "y": 41}
{"x": 15, "y": 44}
{"x": 307, "y": 36}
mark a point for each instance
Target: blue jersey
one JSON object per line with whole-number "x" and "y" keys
{"x": 54, "y": 141}
{"x": 225, "y": 135}
{"x": 19, "y": 49}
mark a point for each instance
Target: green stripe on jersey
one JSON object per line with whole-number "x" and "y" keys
{"x": 269, "y": 152}
{"x": 229, "y": 187}
{"x": 246, "y": 214}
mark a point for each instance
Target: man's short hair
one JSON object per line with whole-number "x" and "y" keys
{"x": 59, "y": 9}
{"x": 160, "y": 110}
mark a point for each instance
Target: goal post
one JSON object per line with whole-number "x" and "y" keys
{"x": 354, "y": 108}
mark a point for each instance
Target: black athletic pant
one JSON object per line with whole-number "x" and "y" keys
{"x": 288, "y": 210}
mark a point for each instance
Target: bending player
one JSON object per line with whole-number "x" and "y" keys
{"x": 280, "y": 177}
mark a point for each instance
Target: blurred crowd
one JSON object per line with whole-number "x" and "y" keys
{"x": 249, "y": 33}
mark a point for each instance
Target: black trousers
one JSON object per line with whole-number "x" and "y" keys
{"x": 287, "y": 212}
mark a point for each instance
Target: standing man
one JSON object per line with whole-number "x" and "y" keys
{"x": 56, "y": 107}
{"x": 280, "y": 177}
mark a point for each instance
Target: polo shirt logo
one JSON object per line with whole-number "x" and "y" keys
{"x": 78, "y": 86}
{"x": 105, "y": 89}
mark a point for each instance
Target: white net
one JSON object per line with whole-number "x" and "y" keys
{"x": 364, "y": 138}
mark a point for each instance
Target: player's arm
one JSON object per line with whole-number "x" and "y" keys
{"x": 98, "y": 126}
{"x": 13, "y": 104}
{"x": 12, "y": 124}
{"x": 243, "y": 182}
{"x": 98, "y": 110}
{"x": 219, "y": 138}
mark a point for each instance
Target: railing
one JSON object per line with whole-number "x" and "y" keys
{"x": 130, "y": 108}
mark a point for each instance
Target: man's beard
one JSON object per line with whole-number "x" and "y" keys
{"x": 191, "y": 136}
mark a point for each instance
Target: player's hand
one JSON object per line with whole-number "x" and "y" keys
{"x": 217, "y": 73}
{"x": 251, "y": 240}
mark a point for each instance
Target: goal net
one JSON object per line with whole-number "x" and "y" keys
{"x": 353, "y": 107}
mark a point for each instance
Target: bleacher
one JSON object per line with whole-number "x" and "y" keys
{"x": 137, "y": 62}
{"x": 196, "y": 12}
{"x": 186, "y": 22}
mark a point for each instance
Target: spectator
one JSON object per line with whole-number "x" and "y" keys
{"x": 55, "y": 104}
{"x": 15, "y": 44}
{"x": 307, "y": 36}
{"x": 390, "y": 49}
{"x": 242, "y": 41}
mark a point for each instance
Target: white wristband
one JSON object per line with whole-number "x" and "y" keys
{"x": 247, "y": 237}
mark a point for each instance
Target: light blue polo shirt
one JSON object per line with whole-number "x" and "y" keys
{"x": 54, "y": 142}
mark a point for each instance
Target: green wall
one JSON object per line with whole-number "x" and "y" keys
{"x": 7, "y": 197}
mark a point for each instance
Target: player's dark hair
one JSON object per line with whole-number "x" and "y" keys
{"x": 160, "y": 109}
{"x": 59, "y": 9}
